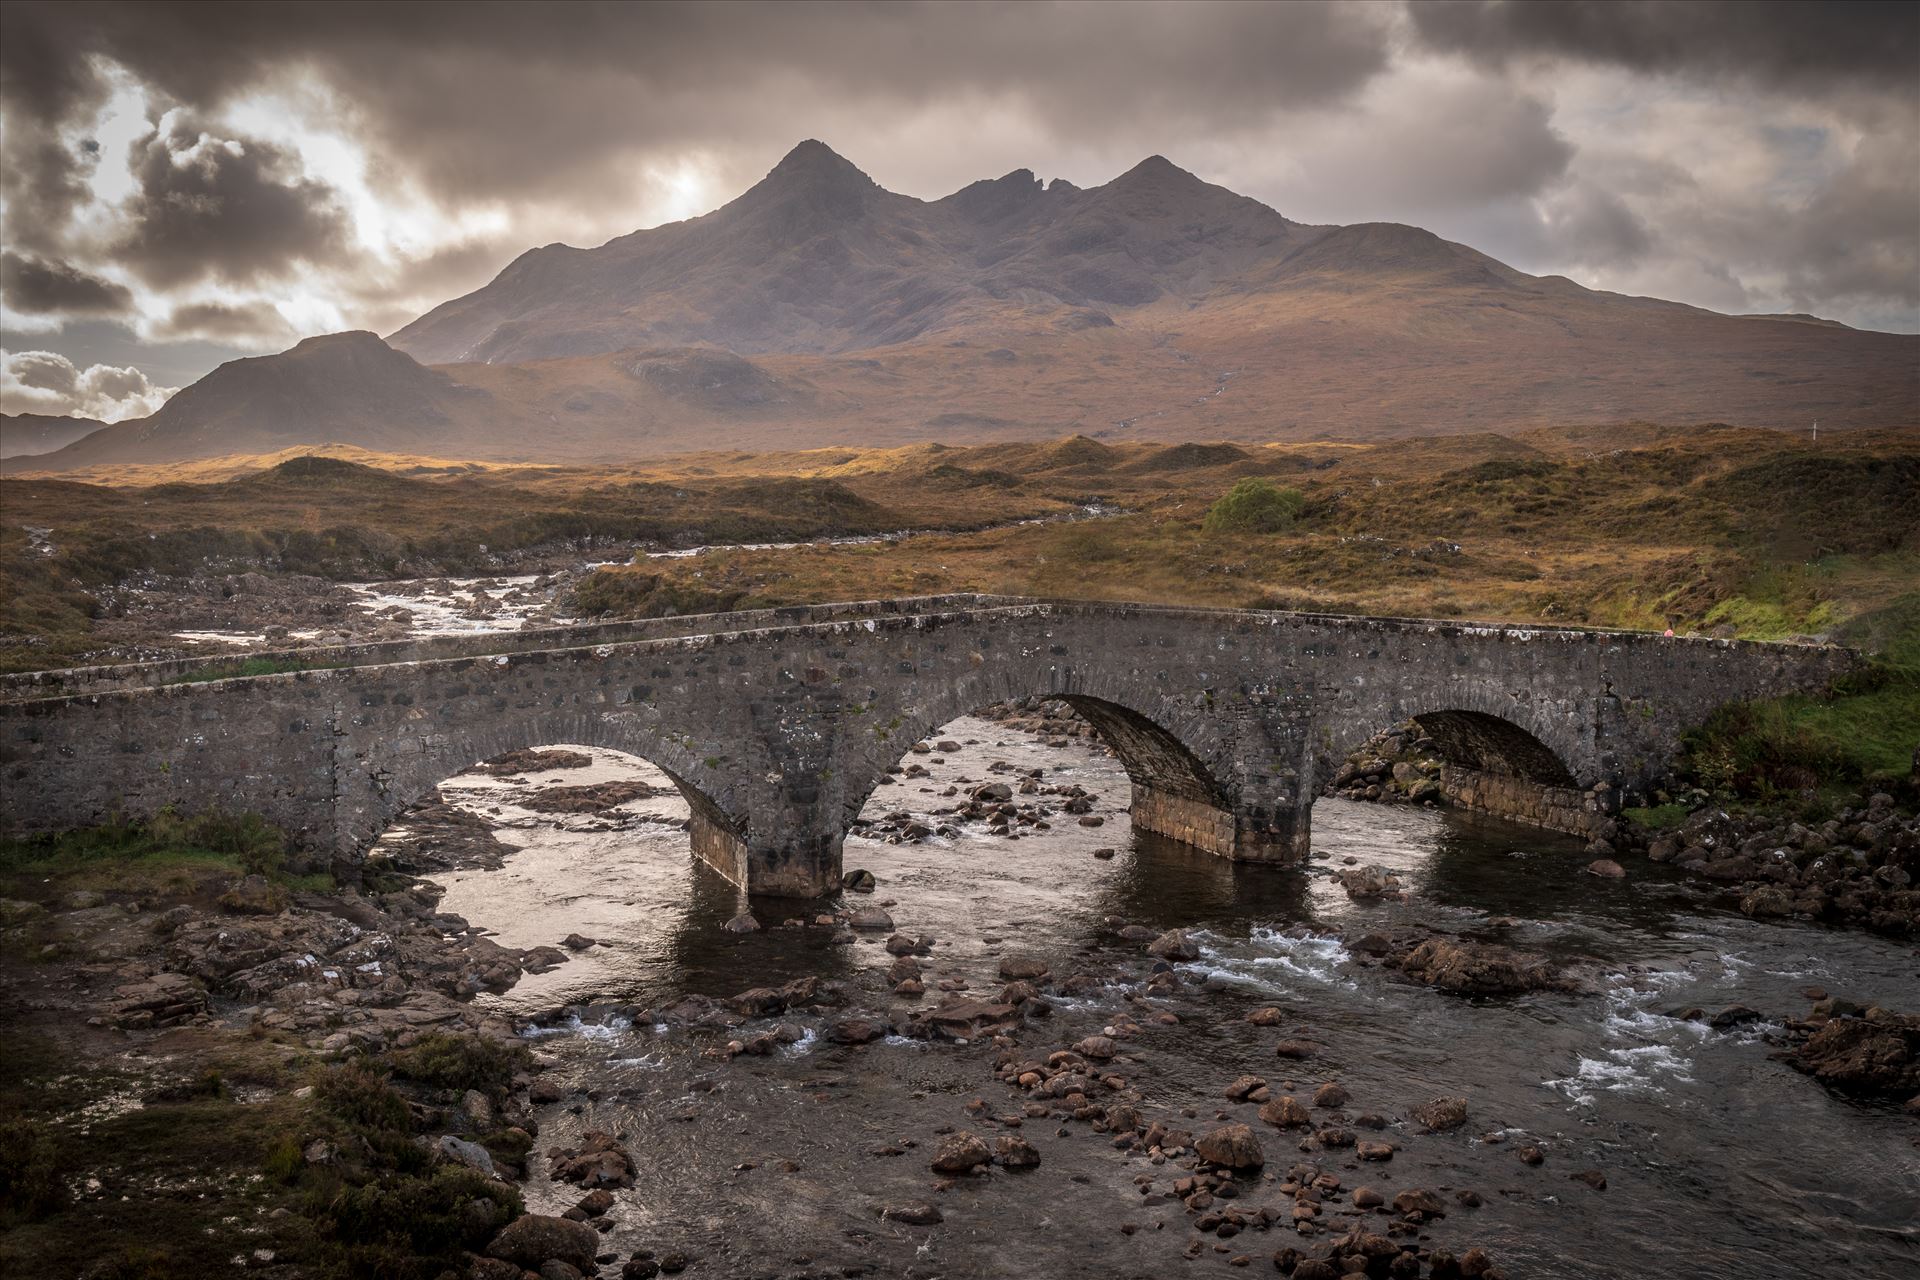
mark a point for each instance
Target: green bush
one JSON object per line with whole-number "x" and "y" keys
{"x": 1862, "y": 736}
{"x": 1255, "y": 506}
{"x": 413, "y": 1226}
{"x": 462, "y": 1062}
{"x": 360, "y": 1095}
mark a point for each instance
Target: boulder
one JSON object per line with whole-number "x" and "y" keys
{"x": 915, "y": 1213}
{"x": 533, "y": 1239}
{"x": 470, "y": 1154}
{"x": 1231, "y": 1146}
{"x": 1441, "y": 1115}
{"x": 1285, "y": 1112}
{"x": 855, "y": 1030}
{"x": 159, "y": 1001}
{"x": 960, "y": 1153}
{"x": 1098, "y": 1048}
{"x": 1023, "y": 968}
{"x": 1419, "y": 1200}
{"x": 1871, "y": 1057}
{"x": 599, "y": 1161}
{"x": 1474, "y": 968}
{"x": 1174, "y": 945}
{"x": 1367, "y": 882}
{"x": 1244, "y": 1086}
{"x": 1014, "y": 1152}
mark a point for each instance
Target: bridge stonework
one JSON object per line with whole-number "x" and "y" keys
{"x": 778, "y": 725}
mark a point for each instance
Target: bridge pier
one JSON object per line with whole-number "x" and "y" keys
{"x": 1569, "y": 809}
{"x": 1280, "y": 837}
{"x": 715, "y": 844}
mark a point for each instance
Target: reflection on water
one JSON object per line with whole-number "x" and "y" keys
{"x": 1719, "y": 1161}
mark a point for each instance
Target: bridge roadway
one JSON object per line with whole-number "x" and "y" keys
{"x": 777, "y": 724}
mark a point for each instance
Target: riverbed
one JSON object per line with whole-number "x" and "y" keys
{"x": 1717, "y": 1161}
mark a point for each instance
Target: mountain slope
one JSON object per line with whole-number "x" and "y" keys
{"x": 25, "y": 434}
{"x": 346, "y": 387}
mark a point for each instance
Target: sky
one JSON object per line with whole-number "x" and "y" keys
{"x": 184, "y": 183}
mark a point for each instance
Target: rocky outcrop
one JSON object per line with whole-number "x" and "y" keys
{"x": 1858, "y": 867}
{"x": 1872, "y": 1053}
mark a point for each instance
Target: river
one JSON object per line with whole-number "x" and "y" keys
{"x": 1718, "y": 1161}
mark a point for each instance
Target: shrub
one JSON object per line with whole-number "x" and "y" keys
{"x": 245, "y": 839}
{"x": 1863, "y": 735}
{"x": 1255, "y": 506}
{"x": 398, "y": 1226}
{"x": 361, "y": 1096}
{"x": 451, "y": 1061}
{"x": 1660, "y": 817}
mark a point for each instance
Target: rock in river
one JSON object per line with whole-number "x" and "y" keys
{"x": 535, "y": 1239}
{"x": 1441, "y": 1115}
{"x": 961, "y": 1152}
{"x": 1174, "y": 945}
{"x": 1014, "y": 1152}
{"x": 599, "y": 1161}
{"x": 1231, "y": 1146}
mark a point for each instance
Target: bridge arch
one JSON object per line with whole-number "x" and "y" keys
{"x": 401, "y": 775}
{"x": 1494, "y": 763}
{"x": 1174, "y": 753}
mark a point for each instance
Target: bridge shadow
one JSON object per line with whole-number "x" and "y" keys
{"x": 1166, "y": 884}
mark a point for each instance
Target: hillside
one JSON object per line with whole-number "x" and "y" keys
{"x": 349, "y": 387}
{"x": 24, "y": 434}
{"x": 820, "y": 309}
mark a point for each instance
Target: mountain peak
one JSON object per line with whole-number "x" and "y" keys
{"x": 1158, "y": 170}
{"x": 814, "y": 162}
{"x": 346, "y": 340}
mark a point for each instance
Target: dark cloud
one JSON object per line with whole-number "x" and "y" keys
{"x": 33, "y": 286}
{"x": 1801, "y": 43}
{"x": 253, "y": 324}
{"x": 209, "y": 206}
{"x": 509, "y": 95}
{"x": 575, "y": 121}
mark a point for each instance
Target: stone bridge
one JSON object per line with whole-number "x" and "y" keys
{"x": 778, "y": 724}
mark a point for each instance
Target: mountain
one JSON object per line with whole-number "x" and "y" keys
{"x": 818, "y": 308}
{"x": 350, "y": 388}
{"x": 817, "y": 258}
{"x": 25, "y": 434}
